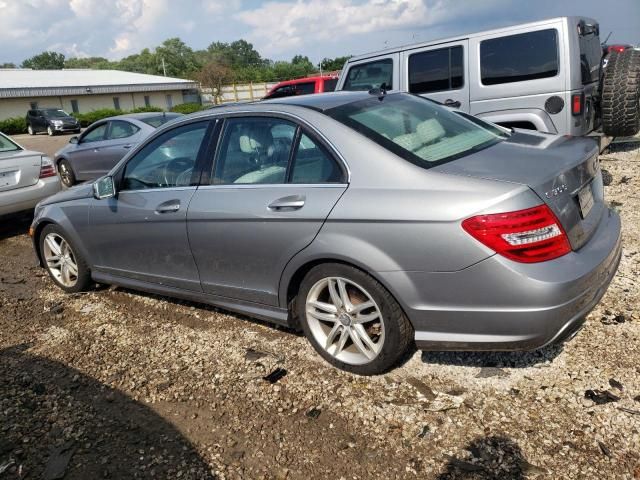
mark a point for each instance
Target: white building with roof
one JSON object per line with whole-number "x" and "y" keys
{"x": 84, "y": 90}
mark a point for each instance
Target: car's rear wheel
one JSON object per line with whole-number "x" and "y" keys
{"x": 67, "y": 176}
{"x": 65, "y": 264}
{"x": 351, "y": 320}
{"x": 50, "y": 131}
{"x": 30, "y": 130}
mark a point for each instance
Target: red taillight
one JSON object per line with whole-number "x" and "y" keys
{"x": 47, "y": 168}
{"x": 527, "y": 236}
{"x": 616, "y": 48}
{"x": 577, "y": 100}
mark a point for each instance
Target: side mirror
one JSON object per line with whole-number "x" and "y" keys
{"x": 104, "y": 188}
{"x": 74, "y": 139}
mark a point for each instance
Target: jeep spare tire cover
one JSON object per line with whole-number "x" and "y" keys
{"x": 621, "y": 94}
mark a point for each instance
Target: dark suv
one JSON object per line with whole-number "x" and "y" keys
{"x": 51, "y": 120}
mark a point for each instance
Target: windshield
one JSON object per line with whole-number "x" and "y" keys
{"x": 416, "y": 129}
{"x": 161, "y": 119}
{"x": 7, "y": 145}
{"x": 55, "y": 113}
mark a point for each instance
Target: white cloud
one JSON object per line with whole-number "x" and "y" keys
{"x": 280, "y": 24}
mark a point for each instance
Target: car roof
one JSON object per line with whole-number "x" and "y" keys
{"x": 320, "y": 101}
{"x": 142, "y": 116}
{"x": 295, "y": 81}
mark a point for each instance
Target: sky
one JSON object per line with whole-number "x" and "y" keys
{"x": 278, "y": 29}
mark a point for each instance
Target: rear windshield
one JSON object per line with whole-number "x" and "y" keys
{"x": 155, "y": 122}
{"x": 590, "y": 52}
{"x": 416, "y": 129}
{"x": 7, "y": 145}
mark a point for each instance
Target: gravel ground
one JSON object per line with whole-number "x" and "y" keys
{"x": 118, "y": 384}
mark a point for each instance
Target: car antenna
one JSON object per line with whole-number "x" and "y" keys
{"x": 380, "y": 92}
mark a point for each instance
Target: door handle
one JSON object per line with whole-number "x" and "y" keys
{"x": 127, "y": 146}
{"x": 96, "y": 149}
{"x": 292, "y": 202}
{"x": 449, "y": 102}
{"x": 171, "y": 206}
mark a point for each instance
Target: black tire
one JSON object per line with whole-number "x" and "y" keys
{"x": 399, "y": 334}
{"x": 67, "y": 175}
{"x": 621, "y": 94}
{"x": 83, "y": 281}
{"x": 31, "y": 130}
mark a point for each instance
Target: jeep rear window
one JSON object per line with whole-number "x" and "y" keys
{"x": 436, "y": 70}
{"x": 415, "y": 128}
{"x": 516, "y": 58}
{"x": 365, "y": 76}
{"x": 590, "y": 52}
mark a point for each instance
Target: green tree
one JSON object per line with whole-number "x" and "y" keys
{"x": 179, "y": 58}
{"x": 8, "y": 65}
{"x": 332, "y": 64}
{"x": 97, "y": 63}
{"x": 45, "y": 61}
{"x": 144, "y": 62}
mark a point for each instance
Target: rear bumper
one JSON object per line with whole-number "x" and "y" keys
{"x": 498, "y": 304}
{"x": 21, "y": 199}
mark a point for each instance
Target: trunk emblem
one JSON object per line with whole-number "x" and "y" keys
{"x": 554, "y": 192}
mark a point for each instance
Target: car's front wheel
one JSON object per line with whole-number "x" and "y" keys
{"x": 50, "y": 131}
{"x": 30, "y": 130}
{"x": 351, "y": 320}
{"x": 67, "y": 176}
{"x": 65, "y": 264}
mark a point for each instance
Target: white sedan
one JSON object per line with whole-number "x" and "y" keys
{"x": 26, "y": 177}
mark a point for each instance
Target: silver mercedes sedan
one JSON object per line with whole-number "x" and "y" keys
{"x": 26, "y": 177}
{"x": 371, "y": 221}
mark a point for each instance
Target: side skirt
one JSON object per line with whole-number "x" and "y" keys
{"x": 275, "y": 315}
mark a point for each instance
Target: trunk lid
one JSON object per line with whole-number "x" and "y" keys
{"x": 563, "y": 171}
{"x": 19, "y": 169}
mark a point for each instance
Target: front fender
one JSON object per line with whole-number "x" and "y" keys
{"x": 71, "y": 217}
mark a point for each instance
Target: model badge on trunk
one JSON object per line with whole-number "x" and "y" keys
{"x": 556, "y": 191}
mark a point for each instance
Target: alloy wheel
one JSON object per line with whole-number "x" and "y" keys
{"x": 60, "y": 260}
{"x": 345, "y": 320}
{"x": 50, "y": 131}
{"x": 65, "y": 174}
{"x": 30, "y": 130}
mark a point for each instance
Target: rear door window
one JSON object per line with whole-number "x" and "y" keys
{"x": 365, "y": 76}
{"x": 516, "y": 58}
{"x": 121, "y": 129}
{"x": 330, "y": 84}
{"x": 313, "y": 164}
{"x": 436, "y": 70}
{"x": 305, "y": 88}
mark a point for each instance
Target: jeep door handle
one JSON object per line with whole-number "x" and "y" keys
{"x": 171, "y": 206}
{"x": 292, "y": 202}
{"x": 449, "y": 102}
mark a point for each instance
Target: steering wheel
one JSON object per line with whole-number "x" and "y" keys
{"x": 175, "y": 168}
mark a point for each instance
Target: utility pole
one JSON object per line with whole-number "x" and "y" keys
{"x": 164, "y": 68}
{"x": 320, "y": 67}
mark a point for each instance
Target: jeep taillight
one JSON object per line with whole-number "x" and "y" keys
{"x": 47, "y": 168}
{"x": 577, "y": 103}
{"x": 527, "y": 236}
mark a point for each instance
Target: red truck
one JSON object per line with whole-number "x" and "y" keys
{"x": 304, "y": 86}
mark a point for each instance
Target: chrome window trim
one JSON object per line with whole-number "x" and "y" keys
{"x": 251, "y": 186}
{"x": 159, "y": 189}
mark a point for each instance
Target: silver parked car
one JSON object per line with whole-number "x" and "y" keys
{"x": 368, "y": 220}
{"x": 104, "y": 143}
{"x": 26, "y": 177}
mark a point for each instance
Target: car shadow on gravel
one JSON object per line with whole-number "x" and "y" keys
{"x": 493, "y": 359}
{"x": 56, "y": 422}
{"x": 492, "y": 457}
{"x": 15, "y": 225}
